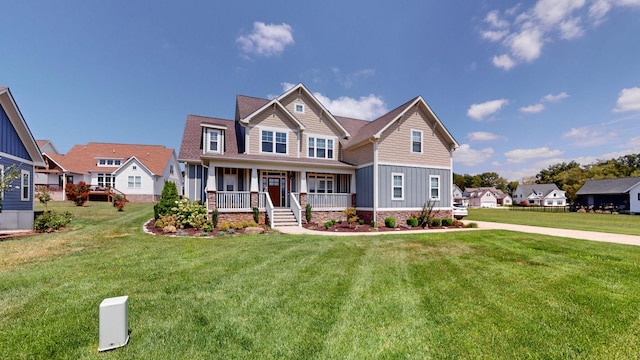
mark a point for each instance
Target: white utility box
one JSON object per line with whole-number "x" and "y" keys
{"x": 114, "y": 328}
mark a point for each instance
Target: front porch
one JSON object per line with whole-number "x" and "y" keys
{"x": 239, "y": 190}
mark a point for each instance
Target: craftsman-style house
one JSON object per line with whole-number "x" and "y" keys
{"x": 280, "y": 155}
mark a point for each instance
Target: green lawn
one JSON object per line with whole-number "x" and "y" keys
{"x": 620, "y": 224}
{"x": 459, "y": 295}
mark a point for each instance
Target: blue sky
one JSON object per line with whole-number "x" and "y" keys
{"x": 520, "y": 86}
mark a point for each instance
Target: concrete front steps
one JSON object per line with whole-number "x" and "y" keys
{"x": 283, "y": 217}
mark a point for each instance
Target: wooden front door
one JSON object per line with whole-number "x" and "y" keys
{"x": 274, "y": 191}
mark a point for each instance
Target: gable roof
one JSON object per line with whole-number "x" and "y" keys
{"x": 275, "y": 103}
{"x": 608, "y": 186}
{"x": 191, "y": 145}
{"x": 42, "y": 144}
{"x": 84, "y": 158}
{"x": 374, "y": 129}
{"x": 20, "y": 125}
{"x": 538, "y": 189}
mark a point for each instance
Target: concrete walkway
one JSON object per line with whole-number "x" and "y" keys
{"x": 484, "y": 225}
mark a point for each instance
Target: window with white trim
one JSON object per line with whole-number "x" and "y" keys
{"x": 109, "y": 162}
{"x": 434, "y": 187}
{"x": 2, "y": 179}
{"x": 416, "y": 141}
{"x": 213, "y": 140}
{"x": 321, "y": 148}
{"x": 25, "y": 193}
{"x": 321, "y": 184}
{"x": 106, "y": 180}
{"x": 299, "y": 108}
{"x": 397, "y": 186}
{"x": 273, "y": 142}
{"x": 134, "y": 182}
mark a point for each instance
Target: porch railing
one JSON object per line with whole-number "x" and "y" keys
{"x": 296, "y": 208}
{"x": 329, "y": 201}
{"x": 233, "y": 199}
{"x": 269, "y": 209}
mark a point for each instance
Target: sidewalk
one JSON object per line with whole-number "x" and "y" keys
{"x": 484, "y": 225}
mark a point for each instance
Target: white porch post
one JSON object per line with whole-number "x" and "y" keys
{"x": 303, "y": 181}
{"x": 212, "y": 185}
{"x": 254, "y": 180}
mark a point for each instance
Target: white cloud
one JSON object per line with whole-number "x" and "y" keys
{"x": 522, "y": 155}
{"x": 503, "y": 61}
{"x": 628, "y": 100}
{"x": 522, "y": 32}
{"x": 366, "y": 107}
{"x": 589, "y": 137}
{"x": 571, "y": 29}
{"x": 478, "y": 136}
{"x": 532, "y": 109}
{"x": 266, "y": 39}
{"x": 465, "y": 155}
{"x": 481, "y": 111}
{"x": 555, "y": 98}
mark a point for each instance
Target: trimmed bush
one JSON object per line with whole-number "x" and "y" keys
{"x": 447, "y": 222}
{"x": 168, "y": 200}
{"x": 435, "y": 222}
{"x": 256, "y": 215}
{"x": 413, "y": 222}
{"x": 52, "y": 220}
{"x": 307, "y": 213}
{"x": 390, "y": 222}
{"x": 78, "y": 193}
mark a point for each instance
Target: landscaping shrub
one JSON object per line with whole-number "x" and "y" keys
{"x": 425, "y": 216}
{"x": 43, "y": 195}
{"x": 256, "y": 215}
{"x": 413, "y": 222}
{"x": 78, "y": 193}
{"x": 352, "y": 217}
{"x": 214, "y": 218}
{"x": 224, "y": 226}
{"x": 168, "y": 200}
{"x": 307, "y": 213}
{"x": 190, "y": 214}
{"x": 435, "y": 222}
{"x": 167, "y": 220}
{"x": 52, "y": 220}
{"x": 390, "y": 222}
{"x": 472, "y": 225}
{"x": 372, "y": 223}
{"x": 447, "y": 222}
{"x": 329, "y": 224}
{"x": 361, "y": 221}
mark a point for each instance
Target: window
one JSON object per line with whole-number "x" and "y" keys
{"x": 299, "y": 108}
{"x": 109, "y": 162}
{"x": 271, "y": 144}
{"x": 171, "y": 169}
{"x": 322, "y": 184}
{"x": 105, "y": 180}
{"x": 26, "y": 185}
{"x": 397, "y": 187}
{"x": 320, "y": 148}
{"x": 213, "y": 140}
{"x": 434, "y": 187}
{"x": 2, "y": 179}
{"x": 416, "y": 141}
{"x": 134, "y": 182}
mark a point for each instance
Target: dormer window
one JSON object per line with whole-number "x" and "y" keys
{"x": 109, "y": 162}
{"x": 299, "y": 108}
{"x": 213, "y": 140}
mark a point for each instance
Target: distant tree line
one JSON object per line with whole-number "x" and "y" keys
{"x": 567, "y": 176}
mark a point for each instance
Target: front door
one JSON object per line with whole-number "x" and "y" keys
{"x": 274, "y": 191}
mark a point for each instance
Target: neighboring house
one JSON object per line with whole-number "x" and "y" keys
{"x": 485, "y": 197}
{"x": 17, "y": 147}
{"x": 49, "y": 175}
{"x": 136, "y": 171}
{"x": 458, "y": 196}
{"x": 280, "y": 155}
{"x": 539, "y": 195}
{"x": 621, "y": 193}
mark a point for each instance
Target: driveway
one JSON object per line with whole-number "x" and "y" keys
{"x": 485, "y": 225}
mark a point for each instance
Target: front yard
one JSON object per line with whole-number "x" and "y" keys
{"x": 488, "y": 294}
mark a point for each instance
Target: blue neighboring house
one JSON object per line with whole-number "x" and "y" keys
{"x": 17, "y": 146}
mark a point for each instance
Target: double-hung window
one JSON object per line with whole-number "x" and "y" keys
{"x": 397, "y": 186}
{"x": 134, "y": 182}
{"x": 434, "y": 187}
{"x": 213, "y": 140}
{"x": 416, "y": 141}
{"x": 320, "y": 147}
{"x": 274, "y": 142}
{"x": 26, "y": 185}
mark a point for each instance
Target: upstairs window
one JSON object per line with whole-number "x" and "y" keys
{"x": 26, "y": 185}
{"x": 320, "y": 148}
{"x": 109, "y": 162}
{"x": 299, "y": 108}
{"x": 416, "y": 141}
{"x": 213, "y": 140}
{"x": 274, "y": 142}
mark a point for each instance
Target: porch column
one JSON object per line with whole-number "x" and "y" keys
{"x": 303, "y": 188}
{"x": 353, "y": 189}
{"x": 211, "y": 188}
{"x": 254, "y": 188}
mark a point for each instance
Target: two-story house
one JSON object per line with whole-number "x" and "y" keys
{"x": 280, "y": 155}
{"x": 539, "y": 195}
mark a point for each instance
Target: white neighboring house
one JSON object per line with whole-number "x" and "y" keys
{"x": 634, "y": 199}
{"x": 137, "y": 171}
{"x": 540, "y": 195}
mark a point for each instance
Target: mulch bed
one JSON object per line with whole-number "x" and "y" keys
{"x": 344, "y": 227}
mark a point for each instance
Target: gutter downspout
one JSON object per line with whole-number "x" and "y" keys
{"x": 375, "y": 179}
